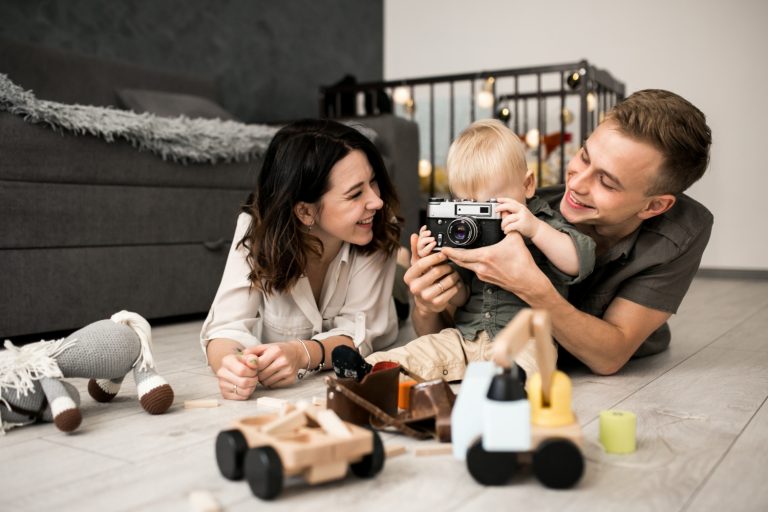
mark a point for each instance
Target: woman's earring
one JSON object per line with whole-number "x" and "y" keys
{"x": 309, "y": 228}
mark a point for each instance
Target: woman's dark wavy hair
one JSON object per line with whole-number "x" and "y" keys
{"x": 296, "y": 167}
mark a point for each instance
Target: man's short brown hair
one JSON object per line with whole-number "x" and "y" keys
{"x": 673, "y": 126}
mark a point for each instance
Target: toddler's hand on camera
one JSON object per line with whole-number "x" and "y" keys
{"x": 426, "y": 242}
{"x": 517, "y": 217}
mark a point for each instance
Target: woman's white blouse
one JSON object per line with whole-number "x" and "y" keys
{"x": 356, "y": 301}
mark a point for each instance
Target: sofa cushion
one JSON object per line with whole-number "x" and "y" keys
{"x": 169, "y": 104}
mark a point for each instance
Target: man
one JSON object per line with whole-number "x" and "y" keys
{"x": 624, "y": 188}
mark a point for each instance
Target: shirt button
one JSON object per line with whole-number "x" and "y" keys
{"x": 487, "y": 315}
{"x": 445, "y": 372}
{"x": 488, "y": 290}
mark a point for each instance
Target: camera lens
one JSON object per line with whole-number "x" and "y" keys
{"x": 462, "y": 231}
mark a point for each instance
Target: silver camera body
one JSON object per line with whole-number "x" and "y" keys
{"x": 464, "y": 224}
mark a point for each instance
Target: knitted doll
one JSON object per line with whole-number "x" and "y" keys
{"x": 31, "y": 388}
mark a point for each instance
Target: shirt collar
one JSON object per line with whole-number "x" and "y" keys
{"x": 344, "y": 252}
{"x": 621, "y": 250}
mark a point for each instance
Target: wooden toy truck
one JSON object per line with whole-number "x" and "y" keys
{"x": 307, "y": 441}
{"x": 496, "y": 427}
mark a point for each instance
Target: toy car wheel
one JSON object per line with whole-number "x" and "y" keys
{"x": 230, "y": 450}
{"x": 558, "y": 463}
{"x": 490, "y": 468}
{"x": 264, "y": 472}
{"x": 371, "y": 463}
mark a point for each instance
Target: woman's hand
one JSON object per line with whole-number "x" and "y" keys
{"x": 238, "y": 375}
{"x": 431, "y": 280}
{"x": 279, "y": 362}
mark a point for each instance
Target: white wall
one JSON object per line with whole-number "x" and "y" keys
{"x": 711, "y": 52}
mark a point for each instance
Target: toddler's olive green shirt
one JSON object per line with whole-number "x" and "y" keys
{"x": 489, "y": 308}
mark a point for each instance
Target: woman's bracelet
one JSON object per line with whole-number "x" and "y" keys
{"x": 304, "y": 372}
{"x": 321, "y": 365}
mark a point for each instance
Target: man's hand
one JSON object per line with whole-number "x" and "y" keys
{"x": 507, "y": 264}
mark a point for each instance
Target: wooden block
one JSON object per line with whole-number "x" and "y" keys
{"x": 394, "y": 450}
{"x": 203, "y": 501}
{"x": 331, "y": 423}
{"x": 290, "y": 421}
{"x": 271, "y": 403}
{"x": 433, "y": 449}
{"x": 201, "y": 404}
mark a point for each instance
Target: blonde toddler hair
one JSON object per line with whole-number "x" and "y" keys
{"x": 486, "y": 152}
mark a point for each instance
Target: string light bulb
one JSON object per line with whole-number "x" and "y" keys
{"x": 410, "y": 106}
{"x": 425, "y": 168}
{"x": 574, "y": 78}
{"x": 591, "y": 102}
{"x": 504, "y": 114}
{"x": 567, "y": 116}
{"x": 532, "y": 138}
{"x": 401, "y": 95}
{"x": 485, "y": 97}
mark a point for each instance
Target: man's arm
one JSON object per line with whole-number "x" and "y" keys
{"x": 604, "y": 345}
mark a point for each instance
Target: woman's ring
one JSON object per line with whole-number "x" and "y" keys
{"x": 234, "y": 388}
{"x": 440, "y": 285}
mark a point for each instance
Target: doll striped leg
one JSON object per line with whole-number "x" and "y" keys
{"x": 155, "y": 394}
{"x": 64, "y": 408}
{"x": 104, "y": 390}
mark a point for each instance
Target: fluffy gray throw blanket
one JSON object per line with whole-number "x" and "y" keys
{"x": 180, "y": 139}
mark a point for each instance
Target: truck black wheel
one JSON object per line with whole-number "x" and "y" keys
{"x": 558, "y": 463}
{"x": 490, "y": 468}
{"x": 230, "y": 450}
{"x": 264, "y": 472}
{"x": 372, "y": 463}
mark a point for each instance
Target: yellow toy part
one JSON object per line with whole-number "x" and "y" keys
{"x": 557, "y": 412}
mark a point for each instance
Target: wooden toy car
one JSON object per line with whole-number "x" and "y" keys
{"x": 308, "y": 441}
{"x": 496, "y": 427}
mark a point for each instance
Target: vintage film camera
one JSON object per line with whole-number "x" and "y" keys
{"x": 464, "y": 224}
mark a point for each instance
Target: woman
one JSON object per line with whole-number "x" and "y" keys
{"x": 312, "y": 262}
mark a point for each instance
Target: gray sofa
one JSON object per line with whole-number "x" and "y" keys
{"x": 89, "y": 227}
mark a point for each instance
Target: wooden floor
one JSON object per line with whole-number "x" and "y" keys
{"x": 702, "y": 436}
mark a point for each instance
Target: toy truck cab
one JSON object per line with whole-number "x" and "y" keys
{"x": 497, "y": 425}
{"x": 309, "y": 442}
